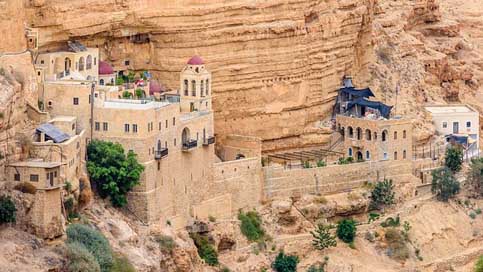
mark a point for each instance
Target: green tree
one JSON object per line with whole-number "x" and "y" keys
{"x": 479, "y": 265}
{"x": 94, "y": 242}
{"x": 444, "y": 184}
{"x": 251, "y": 225}
{"x": 114, "y": 173}
{"x": 126, "y": 94}
{"x": 382, "y": 194}
{"x": 206, "y": 251}
{"x": 139, "y": 93}
{"x": 8, "y": 210}
{"x": 285, "y": 263}
{"x": 454, "y": 158}
{"x": 119, "y": 80}
{"x": 475, "y": 176}
{"x": 322, "y": 238}
{"x": 131, "y": 76}
{"x": 346, "y": 230}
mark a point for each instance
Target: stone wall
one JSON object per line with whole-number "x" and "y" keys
{"x": 46, "y": 214}
{"x": 280, "y": 182}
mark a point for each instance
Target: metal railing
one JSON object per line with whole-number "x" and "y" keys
{"x": 209, "y": 140}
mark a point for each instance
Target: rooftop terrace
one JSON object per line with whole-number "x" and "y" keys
{"x": 130, "y": 104}
{"x": 449, "y": 109}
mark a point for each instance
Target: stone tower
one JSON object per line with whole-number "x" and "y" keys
{"x": 195, "y": 86}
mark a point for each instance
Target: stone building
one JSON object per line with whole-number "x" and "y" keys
{"x": 41, "y": 174}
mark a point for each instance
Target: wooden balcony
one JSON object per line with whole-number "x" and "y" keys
{"x": 159, "y": 154}
{"x": 190, "y": 145}
{"x": 209, "y": 140}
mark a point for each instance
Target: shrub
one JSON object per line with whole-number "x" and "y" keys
{"x": 321, "y": 163}
{"x": 251, "y": 225}
{"x": 347, "y": 160}
{"x": 316, "y": 268}
{"x": 121, "y": 264}
{"x": 94, "y": 242}
{"x": 166, "y": 243}
{"x": 306, "y": 164}
{"x": 479, "y": 265}
{"x": 444, "y": 184}
{"x": 321, "y": 200}
{"x": 79, "y": 259}
{"x": 346, "y": 230}
{"x": 322, "y": 238}
{"x": 225, "y": 269}
{"x": 397, "y": 247}
{"x": 454, "y": 158}
{"x": 139, "y": 93}
{"x": 26, "y": 188}
{"x": 119, "y": 81}
{"x": 373, "y": 217}
{"x": 285, "y": 263}
{"x": 382, "y": 194}
{"x": 114, "y": 172}
{"x": 478, "y": 211}
{"x": 68, "y": 186}
{"x": 206, "y": 251}
{"x": 8, "y": 211}
{"x": 472, "y": 215}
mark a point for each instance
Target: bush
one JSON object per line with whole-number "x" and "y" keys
{"x": 322, "y": 238}
{"x": 472, "y": 215}
{"x": 382, "y": 194}
{"x": 119, "y": 81}
{"x": 206, "y": 251}
{"x": 391, "y": 222}
{"x": 68, "y": 186}
{"x": 114, "y": 172}
{"x": 397, "y": 247}
{"x": 122, "y": 264}
{"x": 8, "y": 210}
{"x": 346, "y": 230}
{"x": 454, "y": 158}
{"x": 251, "y": 225}
{"x": 347, "y": 160}
{"x": 139, "y": 93}
{"x": 321, "y": 163}
{"x": 94, "y": 242}
{"x": 478, "y": 211}
{"x": 306, "y": 164}
{"x": 475, "y": 176}
{"x": 444, "y": 184}
{"x": 166, "y": 243}
{"x": 26, "y": 188}
{"x": 79, "y": 259}
{"x": 479, "y": 265}
{"x": 285, "y": 263}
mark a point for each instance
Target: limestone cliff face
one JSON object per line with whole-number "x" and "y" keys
{"x": 276, "y": 64}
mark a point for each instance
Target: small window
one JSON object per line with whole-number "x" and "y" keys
{"x": 126, "y": 127}
{"x": 174, "y": 121}
{"x": 350, "y": 152}
{"x": 127, "y": 62}
{"x": 42, "y": 62}
{"x": 73, "y": 126}
{"x": 385, "y": 156}
{"x": 368, "y": 155}
{"x": 404, "y": 154}
{"x": 159, "y": 165}
{"x": 445, "y": 124}
{"x": 34, "y": 178}
{"x": 105, "y": 126}
{"x": 404, "y": 134}
{"x": 174, "y": 141}
{"x": 76, "y": 101}
{"x": 395, "y": 135}
{"x": 159, "y": 125}
{"x": 97, "y": 126}
{"x": 38, "y": 73}
{"x": 134, "y": 128}
{"x": 395, "y": 155}
{"x": 16, "y": 177}
{"x": 166, "y": 123}
{"x": 468, "y": 124}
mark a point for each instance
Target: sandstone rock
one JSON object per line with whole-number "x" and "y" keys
{"x": 282, "y": 206}
{"x": 226, "y": 243}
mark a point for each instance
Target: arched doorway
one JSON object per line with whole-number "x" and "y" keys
{"x": 185, "y": 136}
{"x": 359, "y": 156}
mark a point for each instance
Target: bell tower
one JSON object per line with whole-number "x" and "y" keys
{"x": 195, "y": 86}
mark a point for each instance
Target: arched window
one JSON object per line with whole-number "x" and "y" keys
{"x": 349, "y": 153}
{"x": 368, "y": 135}
{"x": 207, "y": 87}
{"x": 202, "y": 88}
{"x": 395, "y": 135}
{"x": 81, "y": 64}
{"x": 404, "y": 134}
{"x": 101, "y": 82}
{"x": 368, "y": 155}
{"x": 185, "y": 87}
{"x": 193, "y": 88}
{"x": 404, "y": 154}
{"x": 384, "y": 135}
{"x": 89, "y": 62}
{"x": 67, "y": 64}
{"x": 375, "y": 135}
{"x": 395, "y": 155}
{"x": 359, "y": 133}
{"x": 350, "y": 132}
